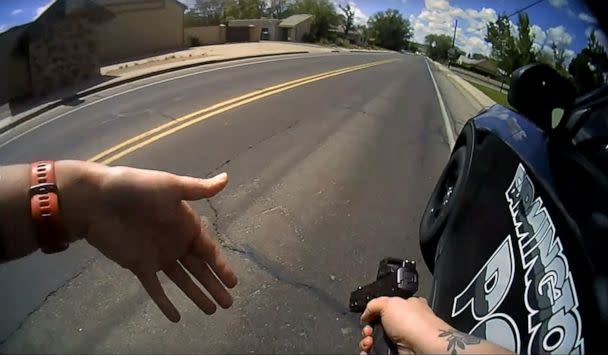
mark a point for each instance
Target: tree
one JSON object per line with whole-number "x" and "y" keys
{"x": 193, "y": 19}
{"x": 390, "y": 30}
{"x": 590, "y": 66}
{"x": 438, "y": 46}
{"x": 324, "y": 12}
{"x": 245, "y": 9}
{"x": 210, "y": 12}
{"x": 349, "y": 18}
{"x": 278, "y": 8}
{"x": 559, "y": 57}
{"x": 510, "y": 51}
{"x": 525, "y": 40}
{"x": 546, "y": 57}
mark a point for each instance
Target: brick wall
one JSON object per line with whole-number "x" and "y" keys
{"x": 63, "y": 54}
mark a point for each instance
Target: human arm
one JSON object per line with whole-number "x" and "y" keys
{"x": 138, "y": 218}
{"x": 414, "y": 328}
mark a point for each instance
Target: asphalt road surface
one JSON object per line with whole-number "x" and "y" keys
{"x": 326, "y": 178}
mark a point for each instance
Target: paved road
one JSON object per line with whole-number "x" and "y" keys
{"x": 325, "y": 179}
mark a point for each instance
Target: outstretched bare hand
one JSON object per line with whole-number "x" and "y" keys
{"x": 141, "y": 221}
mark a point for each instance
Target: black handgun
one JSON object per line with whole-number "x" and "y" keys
{"x": 396, "y": 277}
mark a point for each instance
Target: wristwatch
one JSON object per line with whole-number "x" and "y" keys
{"x": 49, "y": 229}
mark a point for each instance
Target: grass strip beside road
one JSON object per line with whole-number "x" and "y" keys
{"x": 499, "y": 97}
{"x": 118, "y": 151}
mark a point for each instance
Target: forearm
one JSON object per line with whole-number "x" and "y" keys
{"x": 16, "y": 231}
{"x": 450, "y": 340}
{"x": 76, "y": 181}
{"x": 443, "y": 339}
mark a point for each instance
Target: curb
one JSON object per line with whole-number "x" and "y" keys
{"x": 469, "y": 89}
{"x": 49, "y": 106}
{"x": 369, "y": 51}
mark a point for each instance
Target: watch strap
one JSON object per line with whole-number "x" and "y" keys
{"x": 51, "y": 234}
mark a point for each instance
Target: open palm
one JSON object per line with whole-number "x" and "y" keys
{"x": 143, "y": 223}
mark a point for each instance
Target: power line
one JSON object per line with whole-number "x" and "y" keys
{"x": 513, "y": 13}
{"x": 526, "y": 8}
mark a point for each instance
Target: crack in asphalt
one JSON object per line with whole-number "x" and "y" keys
{"x": 46, "y": 298}
{"x": 282, "y": 275}
{"x": 226, "y": 162}
{"x": 274, "y": 269}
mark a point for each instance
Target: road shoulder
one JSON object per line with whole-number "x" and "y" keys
{"x": 462, "y": 100}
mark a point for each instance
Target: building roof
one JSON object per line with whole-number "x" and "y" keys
{"x": 294, "y": 20}
{"x": 257, "y": 21}
{"x": 137, "y": 4}
{"x": 62, "y": 8}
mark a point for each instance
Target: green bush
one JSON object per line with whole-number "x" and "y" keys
{"x": 341, "y": 42}
{"x": 324, "y": 42}
{"x": 308, "y": 37}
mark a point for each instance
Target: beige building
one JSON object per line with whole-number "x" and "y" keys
{"x": 291, "y": 29}
{"x": 68, "y": 42}
{"x": 269, "y": 28}
{"x": 295, "y": 27}
{"x": 204, "y": 35}
{"x": 139, "y": 27}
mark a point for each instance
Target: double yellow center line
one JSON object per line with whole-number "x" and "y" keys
{"x": 114, "y": 153}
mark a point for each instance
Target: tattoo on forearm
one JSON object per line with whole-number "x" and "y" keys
{"x": 457, "y": 339}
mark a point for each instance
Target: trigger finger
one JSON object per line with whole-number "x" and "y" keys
{"x": 374, "y": 309}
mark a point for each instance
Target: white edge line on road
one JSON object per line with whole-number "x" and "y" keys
{"x": 154, "y": 83}
{"x": 449, "y": 130}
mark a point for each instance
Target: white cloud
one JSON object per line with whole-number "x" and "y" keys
{"x": 41, "y": 9}
{"x": 438, "y": 16}
{"x": 559, "y": 35}
{"x": 558, "y": 3}
{"x": 599, "y": 36}
{"x": 570, "y": 12}
{"x": 360, "y": 16}
{"x": 436, "y": 4}
{"x": 547, "y": 52}
{"x": 587, "y": 18}
{"x": 16, "y": 12}
{"x": 539, "y": 35}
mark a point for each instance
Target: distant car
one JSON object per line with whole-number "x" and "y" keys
{"x": 265, "y": 34}
{"x": 516, "y": 230}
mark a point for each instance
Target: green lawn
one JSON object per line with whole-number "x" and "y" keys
{"x": 500, "y": 98}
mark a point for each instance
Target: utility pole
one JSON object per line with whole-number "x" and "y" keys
{"x": 452, "y": 51}
{"x": 454, "y": 37}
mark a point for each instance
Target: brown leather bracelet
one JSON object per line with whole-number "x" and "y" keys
{"x": 50, "y": 232}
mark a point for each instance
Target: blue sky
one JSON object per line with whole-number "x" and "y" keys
{"x": 565, "y": 22}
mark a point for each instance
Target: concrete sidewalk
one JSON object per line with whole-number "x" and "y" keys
{"x": 203, "y": 54}
{"x": 125, "y": 72}
{"x": 462, "y": 100}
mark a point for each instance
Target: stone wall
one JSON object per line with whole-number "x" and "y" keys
{"x": 63, "y": 53}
